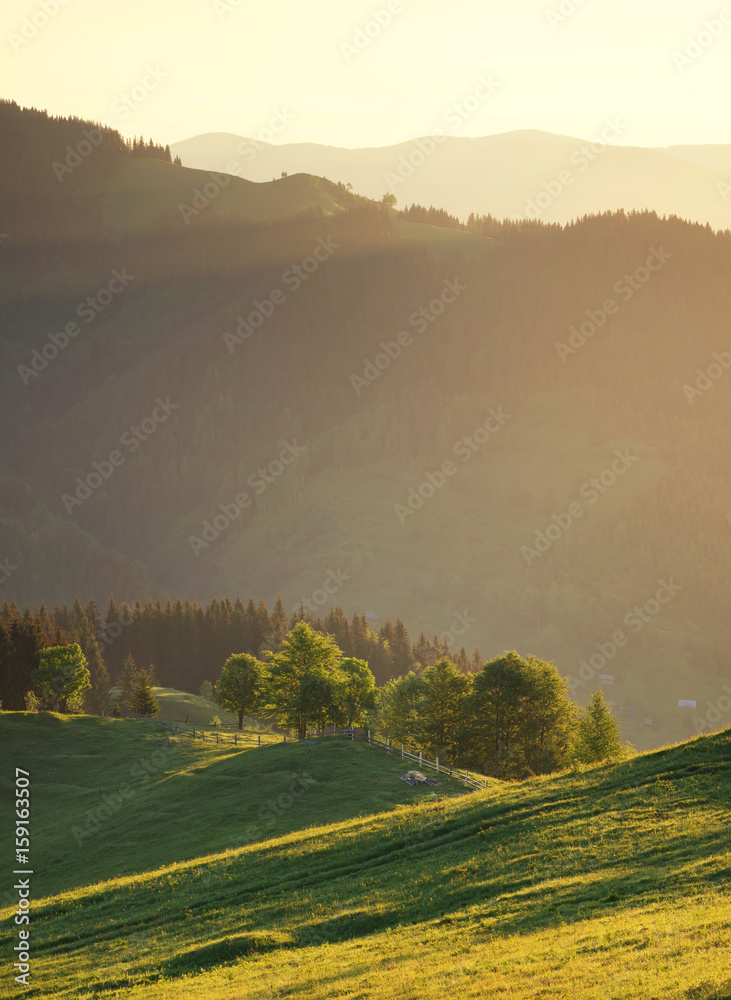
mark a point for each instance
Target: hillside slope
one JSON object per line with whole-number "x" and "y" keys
{"x": 501, "y": 174}
{"x": 113, "y": 798}
{"x": 609, "y": 883}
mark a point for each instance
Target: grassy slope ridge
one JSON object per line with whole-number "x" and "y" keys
{"x": 141, "y": 191}
{"x": 609, "y": 883}
{"x": 111, "y": 798}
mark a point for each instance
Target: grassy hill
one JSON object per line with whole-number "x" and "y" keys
{"x": 140, "y": 192}
{"x": 609, "y": 883}
{"x": 112, "y": 797}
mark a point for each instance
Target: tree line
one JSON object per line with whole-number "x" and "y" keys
{"x": 182, "y": 644}
{"x": 513, "y": 719}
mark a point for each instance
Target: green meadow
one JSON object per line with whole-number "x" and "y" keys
{"x": 612, "y": 882}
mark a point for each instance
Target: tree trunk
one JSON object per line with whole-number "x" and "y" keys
{"x": 241, "y": 718}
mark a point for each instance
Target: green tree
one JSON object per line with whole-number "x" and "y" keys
{"x": 98, "y": 701}
{"x": 442, "y": 709}
{"x": 398, "y": 708}
{"x": 494, "y": 732}
{"x": 206, "y": 690}
{"x": 597, "y": 736}
{"x": 548, "y": 717}
{"x": 62, "y": 675}
{"x": 301, "y": 679}
{"x": 239, "y": 687}
{"x": 143, "y": 700}
{"x": 356, "y": 690}
{"x": 127, "y": 679}
{"x": 389, "y": 200}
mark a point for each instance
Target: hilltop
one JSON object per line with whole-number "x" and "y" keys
{"x": 613, "y": 881}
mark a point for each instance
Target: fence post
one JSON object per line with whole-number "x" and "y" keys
{"x": 450, "y": 770}
{"x": 437, "y": 763}
{"x": 193, "y": 732}
{"x": 369, "y": 736}
{"x": 216, "y": 737}
{"x": 402, "y": 751}
{"x": 388, "y": 742}
{"x": 236, "y": 739}
{"x": 176, "y": 729}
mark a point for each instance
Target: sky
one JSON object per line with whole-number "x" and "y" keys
{"x": 357, "y": 74}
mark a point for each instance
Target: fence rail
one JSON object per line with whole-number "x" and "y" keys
{"x": 475, "y": 781}
{"x": 471, "y": 779}
{"x": 176, "y": 729}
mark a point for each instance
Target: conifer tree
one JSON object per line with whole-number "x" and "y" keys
{"x": 597, "y": 737}
{"x": 143, "y": 700}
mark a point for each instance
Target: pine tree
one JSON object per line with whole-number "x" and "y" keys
{"x": 127, "y": 679}
{"x": 143, "y": 700}
{"x": 597, "y": 737}
{"x": 97, "y": 698}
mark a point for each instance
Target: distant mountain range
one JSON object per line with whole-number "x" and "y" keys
{"x": 552, "y": 177}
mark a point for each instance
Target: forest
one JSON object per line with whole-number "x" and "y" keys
{"x": 622, "y": 385}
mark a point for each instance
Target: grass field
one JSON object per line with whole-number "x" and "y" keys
{"x": 613, "y": 883}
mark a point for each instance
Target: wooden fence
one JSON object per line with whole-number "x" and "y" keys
{"x": 174, "y": 729}
{"x": 469, "y": 778}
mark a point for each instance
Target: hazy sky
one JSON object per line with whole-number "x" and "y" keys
{"x": 192, "y": 66}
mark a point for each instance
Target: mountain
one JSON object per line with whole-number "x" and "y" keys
{"x": 513, "y": 436}
{"x": 516, "y": 174}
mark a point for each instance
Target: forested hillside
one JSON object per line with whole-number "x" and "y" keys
{"x": 277, "y": 405}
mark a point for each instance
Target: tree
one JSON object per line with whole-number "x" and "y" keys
{"x": 127, "y": 678}
{"x": 398, "y": 708}
{"x": 62, "y": 675}
{"x": 143, "y": 700}
{"x": 297, "y": 702}
{"x": 238, "y": 689}
{"x": 389, "y": 200}
{"x": 98, "y": 697}
{"x": 548, "y": 717}
{"x": 495, "y": 716}
{"x": 356, "y": 689}
{"x": 597, "y": 737}
{"x": 441, "y": 710}
{"x": 206, "y": 690}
